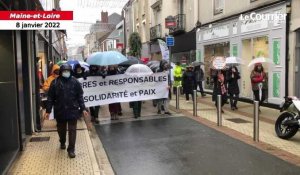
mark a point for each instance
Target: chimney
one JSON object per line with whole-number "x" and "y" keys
{"x": 104, "y": 17}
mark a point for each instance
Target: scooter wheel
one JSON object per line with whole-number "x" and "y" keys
{"x": 282, "y": 131}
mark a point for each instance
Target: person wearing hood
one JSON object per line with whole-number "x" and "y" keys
{"x": 54, "y": 74}
{"x": 79, "y": 72}
{"x": 66, "y": 96}
{"x": 177, "y": 77}
{"x": 189, "y": 82}
{"x": 259, "y": 83}
{"x": 163, "y": 103}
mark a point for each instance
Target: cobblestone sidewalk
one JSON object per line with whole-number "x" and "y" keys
{"x": 47, "y": 158}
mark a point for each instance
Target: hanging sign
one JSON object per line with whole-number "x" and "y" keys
{"x": 219, "y": 63}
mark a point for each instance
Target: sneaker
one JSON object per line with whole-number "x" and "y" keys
{"x": 62, "y": 146}
{"x": 168, "y": 113}
{"x": 71, "y": 155}
{"x": 159, "y": 112}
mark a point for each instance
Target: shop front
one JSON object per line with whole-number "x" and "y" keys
{"x": 248, "y": 39}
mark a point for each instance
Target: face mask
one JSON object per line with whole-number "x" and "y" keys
{"x": 79, "y": 72}
{"x": 66, "y": 74}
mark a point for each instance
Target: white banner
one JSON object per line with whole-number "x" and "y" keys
{"x": 123, "y": 88}
{"x": 164, "y": 50}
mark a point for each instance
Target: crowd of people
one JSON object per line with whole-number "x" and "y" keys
{"x": 225, "y": 83}
{"x": 65, "y": 93}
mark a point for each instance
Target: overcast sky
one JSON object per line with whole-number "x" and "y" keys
{"x": 87, "y": 12}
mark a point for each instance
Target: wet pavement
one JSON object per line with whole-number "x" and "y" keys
{"x": 179, "y": 145}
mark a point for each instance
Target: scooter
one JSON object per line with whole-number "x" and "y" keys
{"x": 288, "y": 122}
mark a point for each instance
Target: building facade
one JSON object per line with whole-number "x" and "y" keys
{"x": 224, "y": 33}
{"x": 25, "y": 58}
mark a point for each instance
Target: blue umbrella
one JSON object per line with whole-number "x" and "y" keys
{"x": 82, "y": 64}
{"x": 106, "y": 58}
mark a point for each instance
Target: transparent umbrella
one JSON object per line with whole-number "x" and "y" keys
{"x": 264, "y": 61}
{"x": 138, "y": 70}
{"x": 233, "y": 61}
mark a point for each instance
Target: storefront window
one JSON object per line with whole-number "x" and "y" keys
{"x": 252, "y": 48}
{"x": 219, "y": 49}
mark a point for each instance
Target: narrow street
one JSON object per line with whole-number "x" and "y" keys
{"x": 179, "y": 145}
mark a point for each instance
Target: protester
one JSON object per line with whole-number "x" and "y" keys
{"x": 136, "y": 107}
{"x": 218, "y": 77}
{"x": 189, "y": 82}
{"x": 164, "y": 102}
{"x": 79, "y": 72}
{"x": 114, "y": 108}
{"x": 94, "y": 71}
{"x": 199, "y": 74}
{"x": 232, "y": 78}
{"x": 177, "y": 77}
{"x": 66, "y": 95}
{"x": 54, "y": 74}
{"x": 259, "y": 83}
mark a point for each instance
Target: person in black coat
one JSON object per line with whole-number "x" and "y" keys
{"x": 95, "y": 71}
{"x": 66, "y": 95}
{"x": 189, "y": 82}
{"x": 115, "y": 109}
{"x": 232, "y": 78}
{"x": 199, "y": 74}
{"x": 79, "y": 72}
{"x": 219, "y": 79}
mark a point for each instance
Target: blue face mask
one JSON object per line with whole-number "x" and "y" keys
{"x": 66, "y": 74}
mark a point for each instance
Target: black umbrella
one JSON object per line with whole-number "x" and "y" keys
{"x": 131, "y": 61}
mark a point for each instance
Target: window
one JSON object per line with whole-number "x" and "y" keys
{"x": 218, "y": 6}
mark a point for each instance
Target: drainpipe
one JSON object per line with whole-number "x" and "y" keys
{"x": 287, "y": 31}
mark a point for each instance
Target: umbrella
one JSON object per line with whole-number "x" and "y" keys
{"x": 82, "y": 64}
{"x": 106, "y": 58}
{"x": 197, "y": 63}
{"x": 130, "y": 61}
{"x": 233, "y": 61}
{"x": 262, "y": 60}
{"x": 61, "y": 62}
{"x": 138, "y": 70}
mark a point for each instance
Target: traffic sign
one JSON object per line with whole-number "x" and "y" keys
{"x": 170, "y": 41}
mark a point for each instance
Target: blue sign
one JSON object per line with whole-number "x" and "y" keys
{"x": 170, "y": 41}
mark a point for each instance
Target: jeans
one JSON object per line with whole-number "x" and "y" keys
{"x": 256, "y": 96}
{"x": 163, "y": 102}
{"x": 187, "y": 97}
{"x": 62, "y": 132}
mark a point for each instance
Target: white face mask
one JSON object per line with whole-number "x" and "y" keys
{"x": 79, "y": 72}
{"x": 66, "y": 74}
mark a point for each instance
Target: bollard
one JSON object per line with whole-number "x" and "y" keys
{"x": 177, "y": 97}
{"x": 219, "y": 100}
{"x": 256, "y": 122}
{"x": 195, "y": 103}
